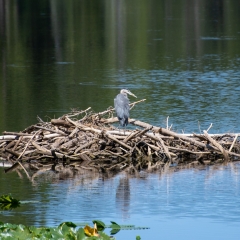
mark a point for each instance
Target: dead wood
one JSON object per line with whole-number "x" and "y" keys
{"x": 216, "y": 144}
{"x": 60, "y": 122}
{"x": 235, "y": 139}
{"x": 17, "y": 133}
{"x": 87, "y": 140}
{"x": 51, "y": 130}
{"x": 164, "y": 131}
{"x": 85, "y": 146}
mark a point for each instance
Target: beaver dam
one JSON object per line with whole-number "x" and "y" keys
{"x": 86, "y": 140}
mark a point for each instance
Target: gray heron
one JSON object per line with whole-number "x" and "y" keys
{"x": 121, "y": 104}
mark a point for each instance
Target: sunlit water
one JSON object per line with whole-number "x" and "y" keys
{"x": 188, "y": 204}
{"x": 192, "y": 99}
{"x": 182, "y": 56}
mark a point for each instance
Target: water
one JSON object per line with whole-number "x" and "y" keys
{"x": 189, "y": 204}
{"x": 182, "y": 56}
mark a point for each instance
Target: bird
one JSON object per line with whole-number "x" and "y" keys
{"x": 122, "y": 108}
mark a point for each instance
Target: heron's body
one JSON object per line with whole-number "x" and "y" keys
{"x": 122, "y": 108}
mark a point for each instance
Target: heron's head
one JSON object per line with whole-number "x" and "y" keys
{"x": 125, "y": 92}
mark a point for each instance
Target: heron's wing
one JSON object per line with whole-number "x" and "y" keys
{"x": 121, "y": 104}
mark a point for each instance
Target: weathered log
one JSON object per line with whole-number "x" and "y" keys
{"x": 118, "y": 141}
{"x": 70, "y": 143}
{"x": 167, "y": 132}
{"x": 8, "y": 137}
{"x": 17, "y": 133}
{"x": 47, "y": 152}
{"x": 60, "y": 122}
{"x": 90, "y": 141}
{"x": 216, "y": 144}
{"x": 85, "y": 146}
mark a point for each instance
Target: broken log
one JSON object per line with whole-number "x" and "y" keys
{"x": 88, "y": 140}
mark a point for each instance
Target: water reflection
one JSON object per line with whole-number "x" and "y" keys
{"x": 123, "y": 194}
{"x": 185, "y": 194}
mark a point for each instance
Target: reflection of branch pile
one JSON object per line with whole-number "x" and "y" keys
{"x": 86, "y": 140}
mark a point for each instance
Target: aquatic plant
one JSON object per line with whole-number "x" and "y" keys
{"x": 66, "y": 231}
{"x": 7, "y": 202}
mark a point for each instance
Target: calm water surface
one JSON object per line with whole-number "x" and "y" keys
{"x": 189, "y": 204}
{"x": 182, "y": 56}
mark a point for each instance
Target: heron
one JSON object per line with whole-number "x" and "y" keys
{"x": 121, "y": 104}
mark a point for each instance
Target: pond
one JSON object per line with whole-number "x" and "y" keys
{"x": 182, "y": 56}
{"x": 188, "y": 204}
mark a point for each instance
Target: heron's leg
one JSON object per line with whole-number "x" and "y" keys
{"x": 119, "y": 127}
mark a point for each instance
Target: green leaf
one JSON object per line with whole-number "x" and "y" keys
{"x": 114, "y": 231}
{"x": 67, "y": 227}
{"x": 8, "y": 199}
{"x": 115, "y": 225}
{"x": 35, "y": 231}
{"x": 80, "y": 234}
{"x": 69, "y": 224}
{"x": 115, "y": 228}
{"x": 138, "y": 238}
{"x": 7, "y": 202}
{"x": 100, "y": 225}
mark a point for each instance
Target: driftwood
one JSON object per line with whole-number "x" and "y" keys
{"x": 86, "y": 140}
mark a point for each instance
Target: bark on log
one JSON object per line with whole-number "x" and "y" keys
{"x": 216, "y": 144}
{"x": 167, "y": 132}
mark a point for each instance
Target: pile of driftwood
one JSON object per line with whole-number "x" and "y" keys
{"x": 87, "y": 140}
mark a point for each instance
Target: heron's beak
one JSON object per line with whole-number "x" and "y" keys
{"x": 131, "y": 94}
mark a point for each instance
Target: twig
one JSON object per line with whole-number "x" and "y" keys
{"x": 136, "y": 134}
{"x": 165, "y": 149}
{"x": 51, "y": 130}
{"x": 27, "y": 144}
{"x": 209, "y": 127}
{"x": 235, "y": 139}
{"x": 78, "y": 113}
{"x": 199, "y": 127}
{"x": 134, "y": 103}
{"x": 112, "y": 109}
{"x": 23, "y": 153}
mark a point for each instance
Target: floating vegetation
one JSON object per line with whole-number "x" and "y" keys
{"x": 66, "y": 230}
{"x": 7, "y": 202}
{"x": 83, "y": 140}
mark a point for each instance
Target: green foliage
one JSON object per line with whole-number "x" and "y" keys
{"x": 7, "y": 202}
{"x": 100, "y": 225}
{"x": 115, "y": 228}
{"x": 65, "y": 231}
